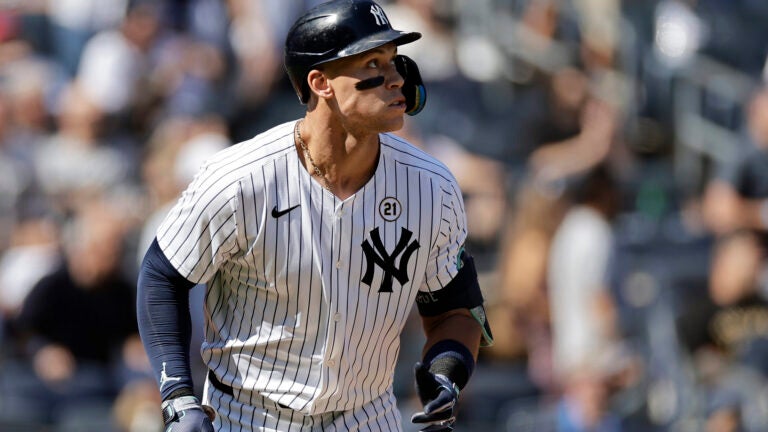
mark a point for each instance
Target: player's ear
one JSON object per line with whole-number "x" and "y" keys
{"x": 319, "y": 84}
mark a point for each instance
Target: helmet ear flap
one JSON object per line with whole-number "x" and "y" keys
{"x": 413, "y": 87}
{"x": 298, "y": 79}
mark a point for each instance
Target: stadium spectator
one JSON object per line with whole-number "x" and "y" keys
{"x": 75, "y": 321}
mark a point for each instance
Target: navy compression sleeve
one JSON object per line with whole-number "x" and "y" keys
{"x": 164, "y": 322}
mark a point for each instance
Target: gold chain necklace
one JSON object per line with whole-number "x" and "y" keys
{"x": 316, "y": 170}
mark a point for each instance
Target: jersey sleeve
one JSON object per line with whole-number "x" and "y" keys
{"x": 449, "y": 281}
{"x": 201, "y": 232}
{"x": 444, "y": 260}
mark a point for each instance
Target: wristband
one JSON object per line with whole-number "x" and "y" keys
{"x": 452, "y": 360}
{"x": 184, "y": 391}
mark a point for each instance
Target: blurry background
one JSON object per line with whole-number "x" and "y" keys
{"x": 613, "y": 155}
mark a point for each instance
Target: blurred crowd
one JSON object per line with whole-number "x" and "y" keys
{"x": 613, "y": 156}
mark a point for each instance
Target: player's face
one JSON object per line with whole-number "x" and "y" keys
{"x": 378, "y": 108}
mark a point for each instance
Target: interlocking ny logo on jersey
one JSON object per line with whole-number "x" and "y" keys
{"x": 377, "y": 255}
{"x": 378, "y": 13}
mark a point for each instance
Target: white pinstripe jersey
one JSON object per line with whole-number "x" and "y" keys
{"x": 305, "y": 307}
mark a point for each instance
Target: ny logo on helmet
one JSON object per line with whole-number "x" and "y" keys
{"x": 378, "y": 13}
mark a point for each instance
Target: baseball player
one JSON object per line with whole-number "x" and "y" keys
{"x": 314, "y": 239}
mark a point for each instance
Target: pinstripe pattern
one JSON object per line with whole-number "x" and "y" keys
{"x": 263, "y": 414}
{"x": 288, "y": 314}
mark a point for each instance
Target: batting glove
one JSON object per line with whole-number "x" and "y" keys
{"x": 185, "y": 414}
{"x": 438, "y": 396}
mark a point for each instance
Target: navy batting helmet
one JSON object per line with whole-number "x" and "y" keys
{"x": 334, "y": 30}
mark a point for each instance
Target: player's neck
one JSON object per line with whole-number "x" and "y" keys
{"x": 346, "y": 160}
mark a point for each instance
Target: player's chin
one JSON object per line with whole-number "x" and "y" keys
{"x": 392, "y": 124}
{"x": 392, "y": 119}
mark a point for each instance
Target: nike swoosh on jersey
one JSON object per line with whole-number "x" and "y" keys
{"x": 277, "y": 213}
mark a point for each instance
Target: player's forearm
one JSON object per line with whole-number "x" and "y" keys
{"x": 458, "y": 325}
{"x": 164, "y": 322}
{"x": 453, "y": 339}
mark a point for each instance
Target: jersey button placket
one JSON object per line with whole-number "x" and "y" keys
{"x": 338, "y": 215}
{"x": 339, "y": 212}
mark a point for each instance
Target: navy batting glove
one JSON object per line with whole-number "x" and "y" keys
{"x": 439, "y": 396}
{"x": 185, "y": 414}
